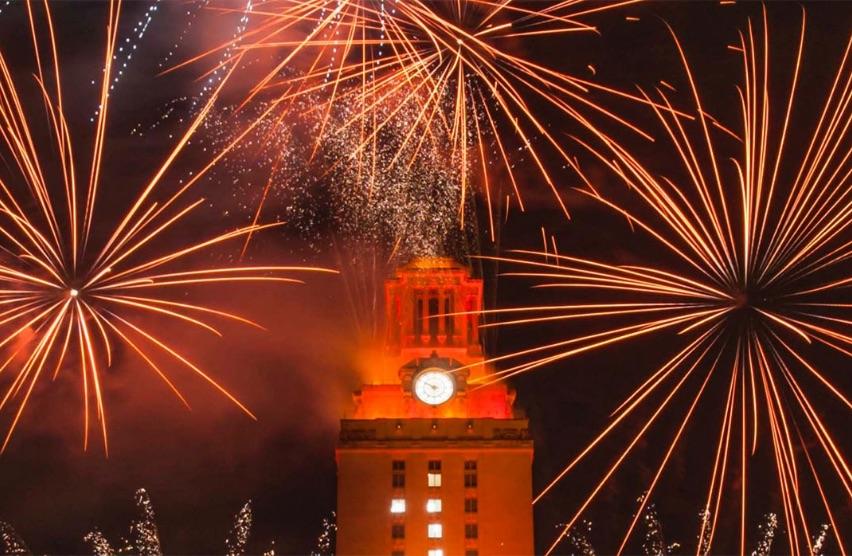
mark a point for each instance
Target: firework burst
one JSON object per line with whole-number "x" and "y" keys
{"x": 453, "y": 72}
{"x": 759, "y": 296}
{"x": 76, "y": 276}
{"x": 373, "y": 220}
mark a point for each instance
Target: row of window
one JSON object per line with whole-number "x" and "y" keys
{"x": 434, "y": 506}
{"x": 437, "y": 552}
{"x": 433, "y": 477}
{"x": 435, "y": 531}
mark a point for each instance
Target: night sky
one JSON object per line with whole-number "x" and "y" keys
{"x": 200, "y": 466}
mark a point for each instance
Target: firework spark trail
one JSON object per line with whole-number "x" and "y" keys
{"x": 128, "y": 47}
{"x": 408, "y": 207}
{"x": 457, "y": 65}
{"x": 214, "y": 77}
{"x": 240, "y": 533}
{"x": 389, "y": 209}
{"x": 374, "y": 219}
{"x": 144, "y": 537}
{"x": 10, "y": 541}
{"x": 766, "y": 269}
{"x": 64, "y": 298}
{"x": 184, "y": 107}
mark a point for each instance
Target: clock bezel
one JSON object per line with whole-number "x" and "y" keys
{"x": 434, "y": 371}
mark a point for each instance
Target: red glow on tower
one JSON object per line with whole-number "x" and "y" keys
{"x": 432, "y": 316}
{"x": 432, "y": 460}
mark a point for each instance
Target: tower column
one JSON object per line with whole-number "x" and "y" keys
{"x": 442, "y": 332}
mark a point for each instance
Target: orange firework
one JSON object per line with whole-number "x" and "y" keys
{"x": 765, "y": 251}
{"x": 68, "y": 297}
{"x": 461, "y": 64}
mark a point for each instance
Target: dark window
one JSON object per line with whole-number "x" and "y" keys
{"x": 398, "y": 531}
{"x": 471, "y": 505}
{"x": 396, "y": 330}
{"x": 433, "y": 320}
{"x": 434, "y": 465}
{"x": 470, "y": 474}
{"x": 449, "y": 320}
{"x": 398, "y": 477}
{"x": 418, "y": 319}
{"x": 471, "y": 553}
{"x": 471, "y": 531}
{"x": 401, "y": 553}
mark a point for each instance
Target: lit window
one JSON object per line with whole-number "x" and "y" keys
{"x": 433, "y": 506}
{"x": 398, "y": 506}
{"x": 435, "y": 531}
{"x": 435, "y": 552}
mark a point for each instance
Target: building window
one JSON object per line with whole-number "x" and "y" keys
{"x": 435, "y": 531}
{"x": 398, "y": 478}
{"x": 398, "y": 506}
{"x": 470, "y": 474}
{"x": 471, "y": 531}
{"x": 433, "y": 506}
{"x": 471, "y": 505}
{"x": 433, "y": 320}
{"x": 471, "y": 553}
{"x": 435, "y": 552}
{"x": 397, "y": 531}
{"x": 434, "y": 477}
{"x": 397, "y": 553}
{"x": 449, "y": 319}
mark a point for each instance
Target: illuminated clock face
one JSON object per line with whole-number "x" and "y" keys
{"x": 434, "y": 386}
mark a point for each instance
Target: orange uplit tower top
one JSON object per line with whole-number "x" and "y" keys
{"x": 432, "y": 320}
{"x": 433, "y": 460}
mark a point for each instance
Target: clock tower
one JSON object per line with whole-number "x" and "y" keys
{"x": 433, "y": 460}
